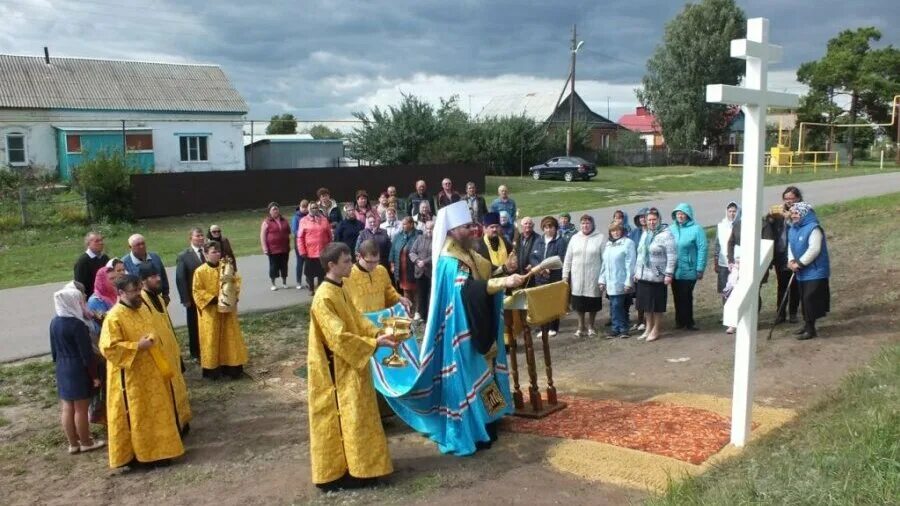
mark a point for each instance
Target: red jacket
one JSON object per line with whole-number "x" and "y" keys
{"x": 313, "y": 236}
{"x": 276, "y": 236}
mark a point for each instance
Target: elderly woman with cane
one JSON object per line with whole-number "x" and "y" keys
{"x": 808, "y": 259}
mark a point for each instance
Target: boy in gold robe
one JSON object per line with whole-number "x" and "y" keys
{"x": 166, "y": 340}
{"x": 141, "y": 419}
{"x": 222, "y": 348}
{"x": 347, "y": 443}
{"x": 369, "y": 285}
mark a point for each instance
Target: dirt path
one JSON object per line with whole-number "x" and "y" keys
{"x": 248, "y": 443}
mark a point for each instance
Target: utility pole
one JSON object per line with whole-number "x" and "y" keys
{"x": 571, "y": 137}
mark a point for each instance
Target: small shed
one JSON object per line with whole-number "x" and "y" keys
{"x": 293, "y": 153}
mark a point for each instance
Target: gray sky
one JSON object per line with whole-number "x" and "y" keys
{"x": 325, "y": 59}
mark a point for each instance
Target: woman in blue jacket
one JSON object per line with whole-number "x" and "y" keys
{"x": 544, "y": 247}
{"x": 690, "y": 244}
{"x": 808, "y": 258}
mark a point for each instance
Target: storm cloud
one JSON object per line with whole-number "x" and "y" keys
{"x": 325, "y": 59}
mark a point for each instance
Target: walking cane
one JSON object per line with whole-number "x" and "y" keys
{"x": 787, "y": 295}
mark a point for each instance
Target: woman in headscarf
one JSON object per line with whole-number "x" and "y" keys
{"x": 582, "y": 268}
{"x": 654, "y": 270}
{"x": 76, "y": 367}
{"x": 215, "y": 234}
{"x": 808, "y": 259}
{"x": 104, "y": 296}
{"x": 725, "y": 243}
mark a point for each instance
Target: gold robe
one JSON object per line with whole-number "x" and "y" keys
{"x": 345, "y": 432}
{"x": 165, "y": 338}
{"x": 221, "y": 341}
{"x": 370, "y": 291}
{"x": 140, "y": 410}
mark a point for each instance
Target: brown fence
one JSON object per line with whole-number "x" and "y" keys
{"x": 173, "y": 194}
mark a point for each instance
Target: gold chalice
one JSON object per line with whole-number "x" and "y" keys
{"x": 401, "y": 329}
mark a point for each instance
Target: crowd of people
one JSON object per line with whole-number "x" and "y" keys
{"x": 118, "y": 361}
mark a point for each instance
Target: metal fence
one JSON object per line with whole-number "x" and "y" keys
{"x": 31, "y": 206}
{"x": 658, "y": 157}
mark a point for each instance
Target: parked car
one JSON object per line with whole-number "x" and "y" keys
{"x": 569, "y": 168}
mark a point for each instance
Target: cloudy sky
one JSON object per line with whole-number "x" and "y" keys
{"x": 322, "y": 60}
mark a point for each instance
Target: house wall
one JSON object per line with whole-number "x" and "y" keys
{"x": 93, "y": 142}
{"x": 225, "y": 141}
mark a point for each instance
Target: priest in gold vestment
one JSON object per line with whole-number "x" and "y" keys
{"x": 141, "y": 417}
{"x": 222, "y": 348}
{"x": 155, "y": 307}
{"x": 347, "y": 444}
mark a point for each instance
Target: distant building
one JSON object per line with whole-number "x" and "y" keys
{"x": 55, "y": 112}
{"x": 644, "y": 123}
{"x": 542, "y": 108}
{"x": 294, "y": 152}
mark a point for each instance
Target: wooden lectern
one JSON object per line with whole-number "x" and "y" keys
{"x": 515, "y": 311}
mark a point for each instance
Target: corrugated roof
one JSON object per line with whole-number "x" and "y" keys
{"x": 276, "y": 137}
{"x": 76, "y": 83}
{"x": 537, "y": 106}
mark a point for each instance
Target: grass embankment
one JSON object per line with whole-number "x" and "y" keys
{"x": 844, "y": 450}
{"x": 45, "y": 254}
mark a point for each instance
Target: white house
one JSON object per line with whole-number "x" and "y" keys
{"x": 54, "y": 113}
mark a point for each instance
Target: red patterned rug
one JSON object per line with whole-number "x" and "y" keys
{"x": 687, "y": 434}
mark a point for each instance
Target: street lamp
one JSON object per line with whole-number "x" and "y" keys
{"x": 570, "y": 138}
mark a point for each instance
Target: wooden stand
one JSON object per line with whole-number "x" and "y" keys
{"x": 537, "y": 407}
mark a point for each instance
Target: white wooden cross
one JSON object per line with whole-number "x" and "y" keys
{"x": 741, "y": 310}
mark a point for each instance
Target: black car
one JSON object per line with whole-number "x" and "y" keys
{"x": 569, "y": 168}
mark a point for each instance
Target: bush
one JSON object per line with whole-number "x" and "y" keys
{"x": 105, "y": 180}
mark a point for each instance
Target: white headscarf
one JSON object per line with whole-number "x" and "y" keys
{"x": 69, "y": 302}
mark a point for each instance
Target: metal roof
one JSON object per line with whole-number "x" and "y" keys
{"x": 536, "y": 106}
{"x": 276, "y": 137}
{"x": 91, "y": 84}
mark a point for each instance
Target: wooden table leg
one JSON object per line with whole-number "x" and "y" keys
{"x": 534, "y": 394}
{"x": 551, "y": 390}
{"x": 509, "y": 321}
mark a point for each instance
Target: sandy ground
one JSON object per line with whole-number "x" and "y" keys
{"x": 248, "y": 443}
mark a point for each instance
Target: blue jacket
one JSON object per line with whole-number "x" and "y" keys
{"x": 132, "y": 268}
{"x": 637, "y": 230}
{"x": 542, "y": 250}
{"x": 617, "y": 270}
{"x": 403, "y": 240}
{"x": 798, "y": 239}
{"x": 690, "y": 244}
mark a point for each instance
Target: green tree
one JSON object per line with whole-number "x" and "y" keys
{"x": 695, "y": 52}
{"x": 323, "y": 132}
{"x": 508, "y": 144}
{"x": 851, "y": 68}
{"x": 554, "y": 142}
{"x": 396, "y": 135}
{"x": 456, "y": 136}
{"x": 105, "y": 180}
{"x": 626, "y": 139}
{"x": 282, "y": 124}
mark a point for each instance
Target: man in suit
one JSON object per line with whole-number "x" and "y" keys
{"x": 139, "y": 255}
{"x": 188, "y": 261}
{"x": 90, "y": 261}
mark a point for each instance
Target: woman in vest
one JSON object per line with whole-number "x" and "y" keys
{"x": 275, "y": 239}
{"x": 808, "y": 259}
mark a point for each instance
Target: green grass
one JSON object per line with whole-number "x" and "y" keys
{"x": 32, "y": 381}
{"x": 844, "y": 450}
{"x": 621, "y": 185}
{"x": 47, "y": 253}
